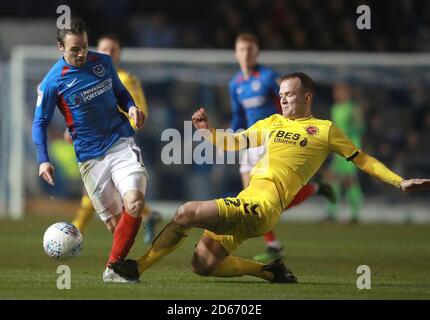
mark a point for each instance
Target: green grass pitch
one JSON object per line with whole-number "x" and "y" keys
{"x": 324, "y": 258}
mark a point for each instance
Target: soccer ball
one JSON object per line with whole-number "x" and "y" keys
{"x": 62, "y": 241}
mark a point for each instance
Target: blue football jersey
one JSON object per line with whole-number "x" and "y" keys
{"x": 255, "y": 98}
{"x": 88, "y": 97}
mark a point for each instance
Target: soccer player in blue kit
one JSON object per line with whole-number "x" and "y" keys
{"x": 86, "y": 88}
{"x": 254, "y": 95}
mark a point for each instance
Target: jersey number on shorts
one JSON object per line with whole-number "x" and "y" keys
{"x": 138, "y": 155}
{"x": 248, "y": 208}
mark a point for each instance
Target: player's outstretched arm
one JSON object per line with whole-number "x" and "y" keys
{"x": 342, "y": 145}
{"x": 223, "y": 140}
{"x": 377, "y": 169}
{"x": 411, "y": 185}
{"x": 46, "y": 172}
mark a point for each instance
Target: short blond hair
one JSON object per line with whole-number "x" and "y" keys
{"x": 248, "y": 37}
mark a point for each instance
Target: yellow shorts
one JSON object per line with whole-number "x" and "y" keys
{"x": 254, "y": 211}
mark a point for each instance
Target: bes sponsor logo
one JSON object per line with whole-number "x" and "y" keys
{"x": 288, "y": 137}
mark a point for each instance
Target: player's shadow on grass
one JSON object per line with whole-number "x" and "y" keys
{"x": 332, "y": 284}
{"x": 244, "y": 281}
{"x": 261, "y": 282}
{"x": 265, "y": 283}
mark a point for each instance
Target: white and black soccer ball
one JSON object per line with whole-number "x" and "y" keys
{"x": 62, "y": 241}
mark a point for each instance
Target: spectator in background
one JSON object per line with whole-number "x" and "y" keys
{"x": 346, "y": 114}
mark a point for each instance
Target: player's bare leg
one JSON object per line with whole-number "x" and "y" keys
{"x": 208, "y": 254}
{"x": 113, "y": 222}
{"x": 201, "y": 214}
{"x": 211, "y": 259}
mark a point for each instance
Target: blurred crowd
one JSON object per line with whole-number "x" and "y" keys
{"x": 397, "y": 25}
{"x": 397, "y": 118}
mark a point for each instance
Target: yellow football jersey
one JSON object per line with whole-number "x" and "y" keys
{"x": 132, "y": 84}
{"x": 296, "y": 149}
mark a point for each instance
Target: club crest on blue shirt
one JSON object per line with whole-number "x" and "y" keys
{"x": 99, "y": 70}
{"x": 256, "y": 85}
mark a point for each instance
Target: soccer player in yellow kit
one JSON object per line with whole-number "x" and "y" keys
{"x": 110, "y": 45}
{"x": 297, "y": 145}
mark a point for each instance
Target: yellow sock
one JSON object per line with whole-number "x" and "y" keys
{"x": 84, "y": 214}
{"x": 167, "y": 241}
{"x": 235, "y": 267}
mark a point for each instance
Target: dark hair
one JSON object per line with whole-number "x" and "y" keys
{"x": 307, "y": 83}
{"x": 247, "y": 37}
{"x": 110, "y": 36}
{"x": 77, "y": 26}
